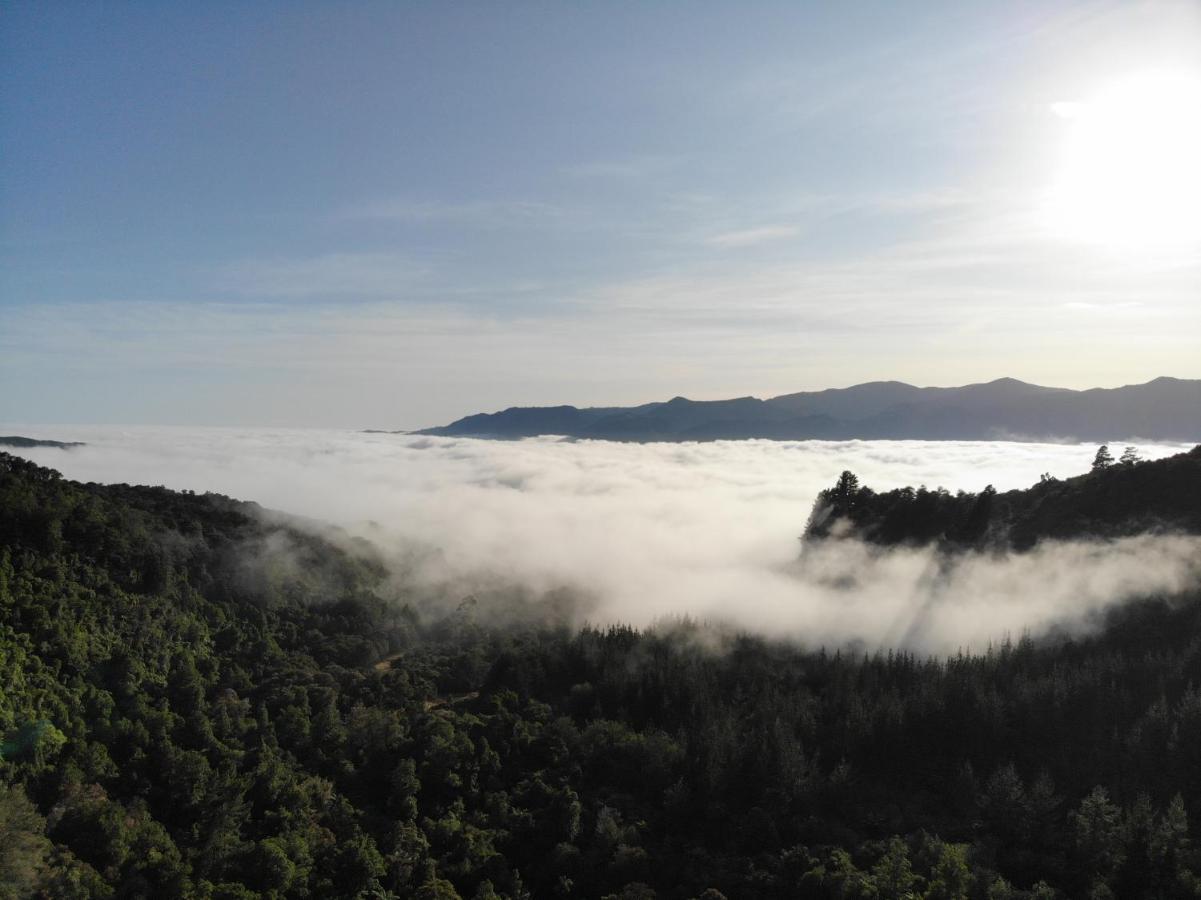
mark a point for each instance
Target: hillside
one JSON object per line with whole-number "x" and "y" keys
{"x": 1112, "y": 501}
{"x": 13, "y": 440}
{"x": 206, "y": 700}
{"x": 1006, "y": 409}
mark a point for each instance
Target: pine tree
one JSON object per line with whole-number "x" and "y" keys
{"x": 1103, "y": 459}
{"x": 846, "y": 489}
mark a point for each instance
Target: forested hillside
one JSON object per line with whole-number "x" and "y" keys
{"x": 1115, "y": 499}
{"x": 198, "y": 699}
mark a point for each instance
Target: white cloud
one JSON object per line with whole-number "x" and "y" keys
{"x": 661, "y": 529}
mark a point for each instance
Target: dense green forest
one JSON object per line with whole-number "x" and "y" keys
{"x": 1113, "y": 500}
{"x": 201, "y": 699}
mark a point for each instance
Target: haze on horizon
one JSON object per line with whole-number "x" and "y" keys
{"x": 393, "y": 216}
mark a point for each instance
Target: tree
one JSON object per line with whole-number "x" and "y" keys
{"x": 435, "y": 888}
{"x": 1169, "y": 840}
{"x": 274, "y": 869}
{"x": 1103, "y": 459}
{"x": 952, "y": 876}
{"x": 833, "y": 504}
{"x": 845, "y": 880}
{"x": 1130, "y": 456}
{"x": 486, "y": 891}
{"x": 847, "y": 487}
{"x": 23, "y": 844}
{"x": 893, "y": 874}
{"x": 1004, "y": 804}
{"x": 976, "y": 524}
{"x": 1098, "y": 833}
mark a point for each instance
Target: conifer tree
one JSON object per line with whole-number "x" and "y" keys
{"x": 1103, "y": 459}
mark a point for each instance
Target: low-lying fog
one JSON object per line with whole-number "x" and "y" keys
{"x": 654, "y": 530}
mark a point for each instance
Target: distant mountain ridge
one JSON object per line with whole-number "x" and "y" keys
{"x": 14, "y": 440}
{"x": 1167, "y": 409}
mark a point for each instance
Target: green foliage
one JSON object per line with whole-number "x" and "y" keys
{"x": 1111, "y": 501}
{"x": 204, "y": 701}
{"x": 893, "y": 874}
{"x": 952, "y": 876}
{"x": 23, "y": 844}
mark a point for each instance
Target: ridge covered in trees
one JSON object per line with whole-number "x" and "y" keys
{"x": 14, "y": 440}
{"x": 200, "y": 699}
{"x": 1113, "y": 500}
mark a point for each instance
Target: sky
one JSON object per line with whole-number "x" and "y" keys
{"x": 640, "y": 533}
{"x": 390, "y": 215}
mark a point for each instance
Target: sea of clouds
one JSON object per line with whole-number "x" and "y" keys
{"x": 650, "y": 531}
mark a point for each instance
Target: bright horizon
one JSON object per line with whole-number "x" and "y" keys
{"x": 391, "y": 217}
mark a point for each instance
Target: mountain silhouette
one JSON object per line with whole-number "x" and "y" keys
{"x": 1167, "y": 409}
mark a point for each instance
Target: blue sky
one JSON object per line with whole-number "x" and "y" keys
{"x": 389, "y": 215}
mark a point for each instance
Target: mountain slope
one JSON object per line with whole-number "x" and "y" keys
{"x": 1117, "y": 500}
{"x": 1006, "y": 409}
{"x": 13, "y": 440}
{"x": 199, "y": 700}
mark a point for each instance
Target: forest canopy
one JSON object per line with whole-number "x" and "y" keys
{"x": 1113, "y": 500}
{"x": 203, "y": 700}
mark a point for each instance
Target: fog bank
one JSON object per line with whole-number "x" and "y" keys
{"x": 654, "y": 530}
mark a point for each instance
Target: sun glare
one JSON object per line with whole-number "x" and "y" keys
{"x": 1130, "y": 163}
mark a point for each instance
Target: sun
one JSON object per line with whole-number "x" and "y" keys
{"x": 1130, "y": 163}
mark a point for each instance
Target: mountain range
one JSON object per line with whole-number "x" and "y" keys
{"x": 1006, "y": 409}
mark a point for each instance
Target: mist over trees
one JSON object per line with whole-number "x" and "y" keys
{"x": 1133, "y": 497}
{"x": 201, "y": 700}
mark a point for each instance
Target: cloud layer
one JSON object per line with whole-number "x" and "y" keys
{"x": 657, "y": 530}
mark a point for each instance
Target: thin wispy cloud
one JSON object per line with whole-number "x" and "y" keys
{"x": 330, "y": 274}
{"x": 749, "y": 237}
{"x": 1117, "y": 309}
{"x": 635, "y": 167}
{"x": 979, "y": 289}
{"x": 492, "y": 213}
{"x": 733, "y": 204}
